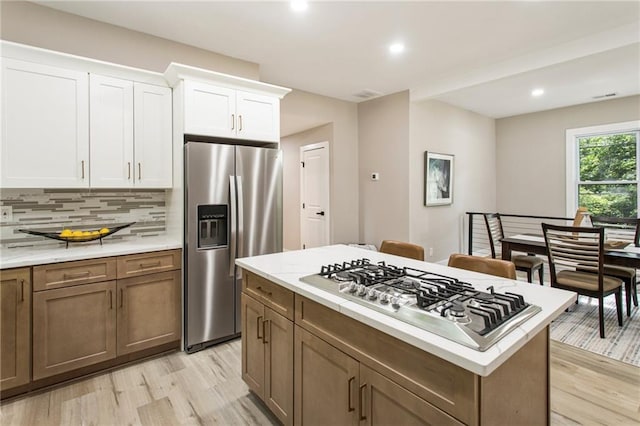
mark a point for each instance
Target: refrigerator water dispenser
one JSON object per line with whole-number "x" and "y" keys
{"x": 212, "y": 226}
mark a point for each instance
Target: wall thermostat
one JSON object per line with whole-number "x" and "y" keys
{"x": 375, "y": 176}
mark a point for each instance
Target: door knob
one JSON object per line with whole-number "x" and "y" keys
{"x": 320, "y": 213}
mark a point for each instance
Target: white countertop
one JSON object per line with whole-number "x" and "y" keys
{"x": 287, "y": 268}
{"x": 29, "y": 256}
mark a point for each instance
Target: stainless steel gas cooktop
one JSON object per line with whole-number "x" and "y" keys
{"x": 439, "y": 304}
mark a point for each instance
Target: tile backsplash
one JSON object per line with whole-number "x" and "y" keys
{"x": 52, "y": 210}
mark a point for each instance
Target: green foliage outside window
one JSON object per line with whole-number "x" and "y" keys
{"x": 612, "y": 159}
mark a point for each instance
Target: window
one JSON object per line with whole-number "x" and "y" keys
{"x": 602, "y": 169}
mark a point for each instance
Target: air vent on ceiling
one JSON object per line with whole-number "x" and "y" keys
{"x": 367, "y": 94}
{"x": 606, "y": 95}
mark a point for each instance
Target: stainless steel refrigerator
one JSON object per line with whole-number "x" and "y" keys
{"x": 233, "y": 208}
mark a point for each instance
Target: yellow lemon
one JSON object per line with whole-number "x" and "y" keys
{"x": 104, "y": 231}
{"x": 86, "y": 233}
{"x": 77, "y": 234}
{"x": 95, "y": 233}
{"x": 66, "y": 233}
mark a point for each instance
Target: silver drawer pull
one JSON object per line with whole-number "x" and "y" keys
{"x": 76, "y": 275}
{"x": 149, "y": 265}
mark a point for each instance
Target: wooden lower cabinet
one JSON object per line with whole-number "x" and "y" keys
{"x": 15, "y": 327}
{"x": 267, "y": 356}
{"x": 73, "y": 327}
{"x": 148, "y": 311}
{"x": 384, "y": 402}
{"x": 326, "y": 383}
{"x": 332, "y": 388}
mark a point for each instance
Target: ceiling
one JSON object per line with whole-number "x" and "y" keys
{"x": 481, "y": 56}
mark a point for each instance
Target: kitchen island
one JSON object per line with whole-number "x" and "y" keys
{"x": 315, "y": 357}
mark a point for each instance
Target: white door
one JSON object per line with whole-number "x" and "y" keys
{"x": 111, "y": 124}
{"x": 152, "y": 130}
{"x": 258, "y": 117}
{"x": 45, "y": 126}
{"x": 314, "y": 195}
{"x": 209, "y": 110}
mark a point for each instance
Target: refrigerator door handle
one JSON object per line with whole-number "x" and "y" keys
{"x": 240, "y": 236}
{"x": 232, "y": 227}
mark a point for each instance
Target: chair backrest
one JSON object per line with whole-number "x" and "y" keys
{"x": 625, "y": 229}
{"x": 494, "y": 229}
{"x": 575, "y": 247}
{"x": 403, "y": 249}
{"x": 486, "y": 265}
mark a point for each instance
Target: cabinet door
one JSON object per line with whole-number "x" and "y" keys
{"x": 383, "y": 402}
{"x": 278, "y": 383}
{"x": 73, "y": 327}
{"x": 209, "y": 110}
{"x": 45, "y": 126}
{"x": 253, "y": 351}
{"x": 148, "y": 311}
{"x": 15, "y": 326}
{"x": 152, "y": 130}
{"x": 258, "y": 117}
{"x": 326, "y": 383}
{"x": 111, "y": 134}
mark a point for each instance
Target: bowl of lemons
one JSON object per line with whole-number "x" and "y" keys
{"x": 79, "y": 235}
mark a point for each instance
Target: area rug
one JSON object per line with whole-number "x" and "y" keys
{"x": 579, "y": 328}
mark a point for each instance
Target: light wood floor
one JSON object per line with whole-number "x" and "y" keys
{"x": 205, "y": 388}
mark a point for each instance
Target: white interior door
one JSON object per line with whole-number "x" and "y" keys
{"x": 314, "y": 195}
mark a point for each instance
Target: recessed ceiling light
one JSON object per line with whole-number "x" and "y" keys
{"x": 299, "y": 5}
{"x": 396, "y": 48}
{"x": 537, "y": 92}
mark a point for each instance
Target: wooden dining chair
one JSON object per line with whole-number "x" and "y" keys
{"x": 618, "y": 232}
{"x": 576, "y": 262}
{"x": 400, "y": 248}
{"x": 525, "y": 263}
{"x": 485, "y": 265}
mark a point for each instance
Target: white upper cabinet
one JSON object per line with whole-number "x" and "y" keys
{"x": 111, "y": 134}
{"x": 153, "y": 137}
{"x": 130, "y": 134}
{"x": 258, "y": 117}
{"x": 225, "y": 106}
{"x": 209, "y": 110}
{"x": 45, "y": 126}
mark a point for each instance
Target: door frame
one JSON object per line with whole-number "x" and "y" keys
{"x": 327, "y": 214}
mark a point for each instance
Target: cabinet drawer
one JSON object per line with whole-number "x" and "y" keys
{"x": 148, "y": 263}
{"x": 272, "y": 295}
{"x": 68, "y": 274}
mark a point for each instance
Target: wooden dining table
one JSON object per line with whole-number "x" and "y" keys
{"x": 534, "y": 243}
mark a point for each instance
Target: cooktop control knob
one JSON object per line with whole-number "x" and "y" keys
{"x": 362, "y": 290}
{"x": 384, "y": 298}
{"x": 373, "y": 294}
{"x": 395, "y": 302}
{"x": 353, "y": 287}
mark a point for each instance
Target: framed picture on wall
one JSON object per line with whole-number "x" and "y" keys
{"x": 438, "y": 179}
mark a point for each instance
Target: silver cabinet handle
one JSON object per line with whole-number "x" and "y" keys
{"x": 129, "y": 170}
{"x": 82, "y": 168}
{"x": 240, "y": 124}
{"x": 258, "y": 328}
{"x": 233, "y": 121}
{"x": 75, "y": 275}
{"x": 139, "y": 171}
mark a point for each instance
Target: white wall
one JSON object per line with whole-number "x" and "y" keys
{"x": 301, "y": 111}
{"x": 383, "y": 147}
{"x": 40, "y": 26}
{"x": 531, "y": 153}
{"x": 290, "y": 146}
{"x": 470, "y": 137}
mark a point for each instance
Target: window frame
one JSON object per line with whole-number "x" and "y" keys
{"x": 572, "y": 160}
